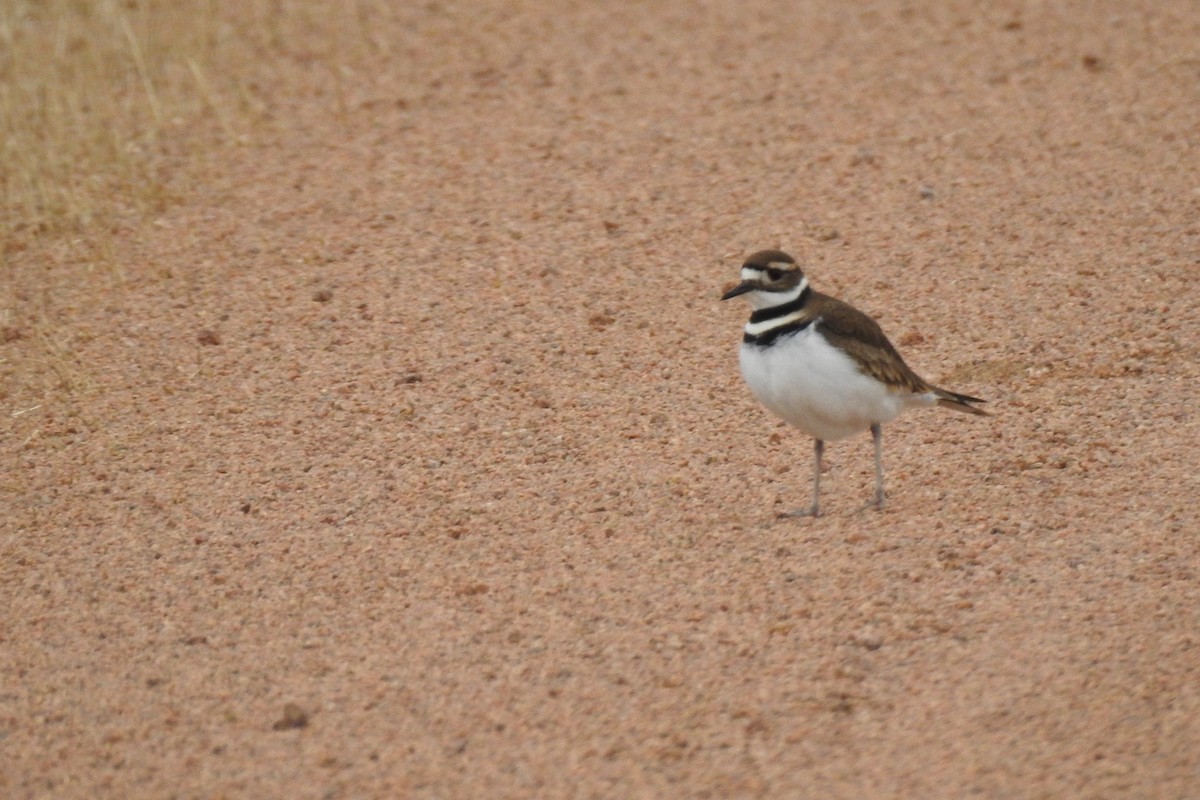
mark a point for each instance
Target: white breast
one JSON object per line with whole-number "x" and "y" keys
{"x": 819, "y": 389}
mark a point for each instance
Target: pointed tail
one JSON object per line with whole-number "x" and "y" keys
{"x": 960, "y": 402}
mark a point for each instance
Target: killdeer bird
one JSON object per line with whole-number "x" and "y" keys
{"x": 824, "y": 366}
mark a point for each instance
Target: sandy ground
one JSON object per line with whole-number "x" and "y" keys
{"x": 409, "y": 455}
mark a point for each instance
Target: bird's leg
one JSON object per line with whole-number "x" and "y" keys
{"x": 818, "y": 451}
{"x": 815, "y": 509}
{"x": 877, "y": 435}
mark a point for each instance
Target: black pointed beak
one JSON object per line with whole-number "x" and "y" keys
{"x": 741, "y": 288}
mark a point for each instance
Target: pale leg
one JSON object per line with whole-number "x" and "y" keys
{"x": 877, "y": 435}
{"x": 815, "y": 510}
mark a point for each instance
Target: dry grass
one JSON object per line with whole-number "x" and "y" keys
{"x": 109, "y": 110}
{"x": 86, "y": 90}
{"x": 95, "y": 93}
{"x": 93, "y": 99}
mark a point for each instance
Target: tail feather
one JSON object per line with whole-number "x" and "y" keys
{"x": 960, "y": 402}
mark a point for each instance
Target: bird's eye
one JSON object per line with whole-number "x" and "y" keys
{"x": 774, "y": 274}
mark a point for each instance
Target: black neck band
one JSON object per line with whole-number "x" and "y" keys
{"x": 764, "y": 314}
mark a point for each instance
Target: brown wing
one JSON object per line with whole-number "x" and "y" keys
{"x": 861, "y": 337}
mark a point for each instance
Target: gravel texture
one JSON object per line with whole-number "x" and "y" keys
{"x": 409, "y": 457}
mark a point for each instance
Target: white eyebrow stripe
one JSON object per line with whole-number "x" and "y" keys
{"x": 753, "y": 273}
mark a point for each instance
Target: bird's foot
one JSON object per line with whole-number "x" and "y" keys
{"x": 812, "y": 511}
{"x": 875, "y": 505}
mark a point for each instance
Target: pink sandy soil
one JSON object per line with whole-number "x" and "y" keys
{"x": 409, "y": 458}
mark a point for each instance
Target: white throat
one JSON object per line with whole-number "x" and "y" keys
{"x": 759, "y": 299}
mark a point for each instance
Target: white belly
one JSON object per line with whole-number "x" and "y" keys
{"x": 819, "y": 389}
